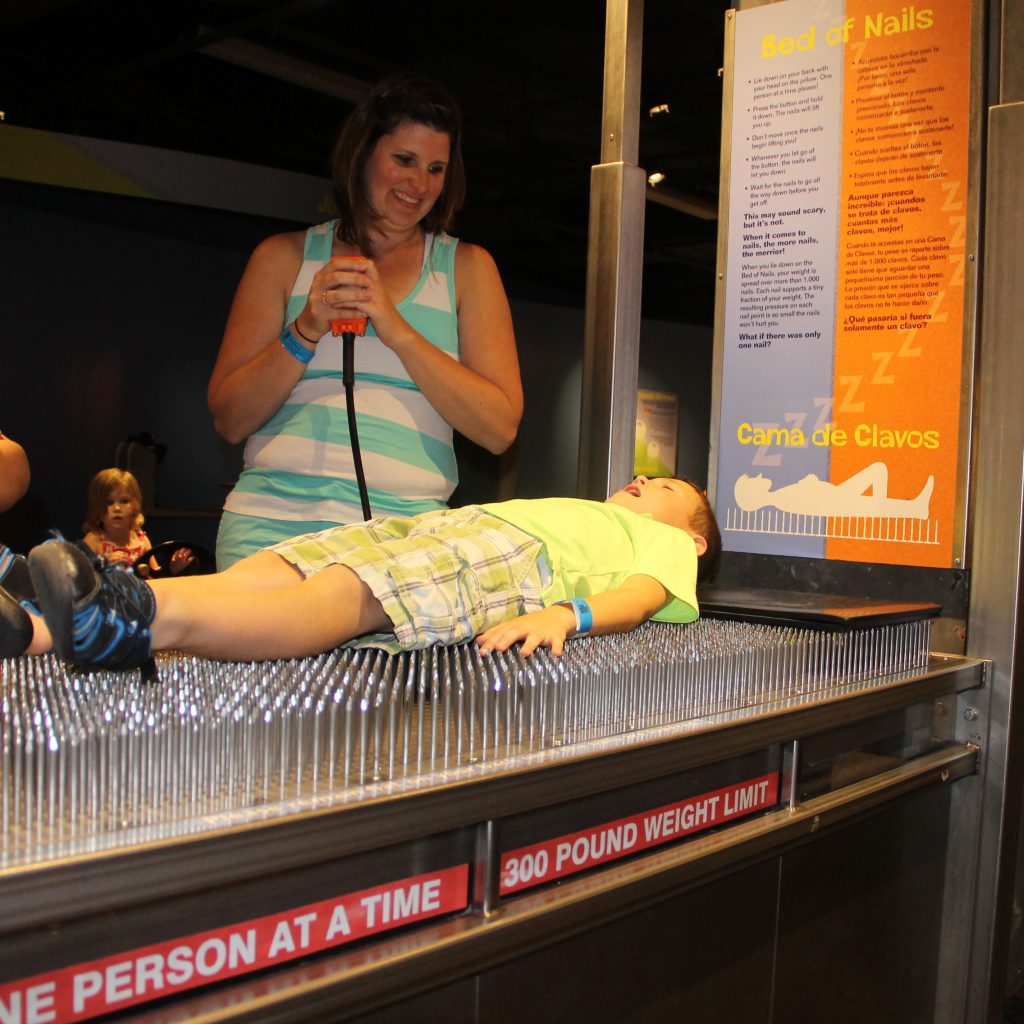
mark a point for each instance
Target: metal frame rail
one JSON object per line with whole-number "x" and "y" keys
{"x": 386, "y": 970}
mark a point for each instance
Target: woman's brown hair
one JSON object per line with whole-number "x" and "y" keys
{"x": 393, "y": 100}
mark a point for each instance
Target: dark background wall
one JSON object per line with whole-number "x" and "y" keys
{"x": 113, "y": 308}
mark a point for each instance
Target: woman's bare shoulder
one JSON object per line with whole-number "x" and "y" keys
{"x": 284, "y": 247}
{"x": 474, "y": 264}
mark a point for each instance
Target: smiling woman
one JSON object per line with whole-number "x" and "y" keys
{"x": 438, "y": 355}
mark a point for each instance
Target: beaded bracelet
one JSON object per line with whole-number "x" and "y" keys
{"x": 294, "y": 346}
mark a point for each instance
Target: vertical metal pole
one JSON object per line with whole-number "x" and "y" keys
{"x": 791, "y": 774}
{"x": 985, "y": 874}
{"x": 721, "y": 259}
{"x": 996, "y": 617}
{"x": 487, "y": 876}
{"x": 614, "y": 266}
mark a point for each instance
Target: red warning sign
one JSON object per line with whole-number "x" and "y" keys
{"x": 136, "y": 976}
{"x": 555, "y": 858}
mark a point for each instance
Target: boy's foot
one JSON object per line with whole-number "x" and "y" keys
{"x": 17, "y": 599}
{"x": 98, "y": 615}
{"x": 16, "y": 579}
{"x": 15, "y": 627}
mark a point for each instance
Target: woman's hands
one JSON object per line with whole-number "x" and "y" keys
{"x": 254, "y": 374}
{"x": 345, "y": 288}
{"x": 480, "y": 394}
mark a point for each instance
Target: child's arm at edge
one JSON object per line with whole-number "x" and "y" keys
{"x": 615, "y": 611}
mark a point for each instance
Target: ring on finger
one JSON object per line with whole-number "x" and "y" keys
{"x": 323, "y": 297}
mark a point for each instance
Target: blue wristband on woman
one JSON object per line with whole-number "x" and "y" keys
{"x": 294, "y": 346}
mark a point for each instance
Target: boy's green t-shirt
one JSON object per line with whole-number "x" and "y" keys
{"x": 593, "y": 547}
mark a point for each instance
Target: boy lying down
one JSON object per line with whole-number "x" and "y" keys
{"x": 534, "y": 571}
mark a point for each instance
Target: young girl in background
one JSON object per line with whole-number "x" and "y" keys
{"x": 113, "y": 517}
{"x": 113, "y": 526}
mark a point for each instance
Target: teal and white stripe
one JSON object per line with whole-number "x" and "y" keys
{"x": 299, "y": 466}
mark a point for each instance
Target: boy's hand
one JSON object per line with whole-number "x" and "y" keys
{"x": 545, "y": 628}
{"x": 636, "y": 599}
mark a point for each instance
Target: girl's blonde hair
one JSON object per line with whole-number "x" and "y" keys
{"x": 101, "y": 487}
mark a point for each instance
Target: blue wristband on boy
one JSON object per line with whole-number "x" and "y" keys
{"x": 584, "y": 616}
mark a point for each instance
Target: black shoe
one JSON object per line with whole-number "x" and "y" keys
{"x": 98, "y": 615}
{"x": 16, "y": 579}
{"x": 17, "y": 599}
{"x": 15, "y": 627}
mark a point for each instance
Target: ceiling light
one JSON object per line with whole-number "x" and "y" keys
{"x": 661, "y": 108}
{"x": 655, "y": 179}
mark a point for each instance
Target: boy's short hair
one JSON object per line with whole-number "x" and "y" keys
{"x": 704, "y": 523}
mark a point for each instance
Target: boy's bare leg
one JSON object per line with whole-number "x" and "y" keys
{"x": 41, "y": 640}
{"x": 263, "y": 570}
{"x": 264, "y": 610}
{"x": 260, "y": 571}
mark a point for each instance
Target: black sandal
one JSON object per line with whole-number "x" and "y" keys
{"x": 15, "y": 627}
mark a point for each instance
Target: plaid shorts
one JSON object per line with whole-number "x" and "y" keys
{"x": 442, "y": 577}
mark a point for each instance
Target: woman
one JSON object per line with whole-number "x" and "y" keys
{"x": 439, "y": 352}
